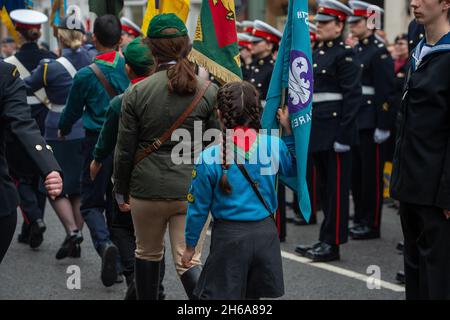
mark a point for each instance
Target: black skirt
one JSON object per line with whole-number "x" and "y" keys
{"x": 244, "y": 262}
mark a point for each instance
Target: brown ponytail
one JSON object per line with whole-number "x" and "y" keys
{"x": 238, "y": 103}
{"x": 182, "y": 78}
{"x": 30, "y": 35}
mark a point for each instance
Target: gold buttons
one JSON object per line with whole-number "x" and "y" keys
{"x": 385, "y": 107}
{"x": 38, "y": 147}
{"x": 190, "y": 198}
{"x": 194, "y": 173}
{"x": 330, "y": 44}
{"x": 261, "y": 62}
{"x": 366, "y": 41}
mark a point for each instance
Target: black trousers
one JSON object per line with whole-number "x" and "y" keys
{"x": 333, "y": 172}
{"x": 426, "y": 252}
{"x": 32, "y": 200}
{"x": 311, "y": 180}
{"x": 367, "y": 180}
{"x": 7, "y": 228}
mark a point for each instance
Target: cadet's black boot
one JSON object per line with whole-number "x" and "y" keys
{"x": 24, "y": 236}
{"x": 364, "y": 233}
{"x": 37, "y": 229}
{"x": 302, "y": 249}
{"x": 131, "y": 291}
{"x": 147, "y": 279}
{"x": 189, "y": 280}
{"x": 324, "y": 253}
{"x": 109, "y": 254}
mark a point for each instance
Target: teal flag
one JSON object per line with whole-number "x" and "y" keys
{"x": 293, "y": 73}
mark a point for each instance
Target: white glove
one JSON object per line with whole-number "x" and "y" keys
{"x": 119, "y": 198}
{"x": 340, "y": 148}
{"x": 381, "y": 136}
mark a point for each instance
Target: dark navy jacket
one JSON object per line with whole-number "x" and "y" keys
{"x": 378, "y": 84}
{"x": 335, "y": 71}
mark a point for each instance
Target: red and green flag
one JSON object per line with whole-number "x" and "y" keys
{"x": 215, "y": 45}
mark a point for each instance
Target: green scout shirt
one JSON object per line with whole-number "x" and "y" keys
{"x": 148, "y": 110}
{"x": 88, "y": 98}
{"x": 108, "y": 136}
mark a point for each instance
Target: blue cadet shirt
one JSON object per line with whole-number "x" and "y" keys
{"x": 267, "y": 156}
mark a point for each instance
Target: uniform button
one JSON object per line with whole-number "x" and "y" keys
{"x": 369, "y": 101}
{"x": 253, "y": 67}
{"x": 360, "y": 49}
{"x": 49, "y": 148}
{"x": 272, "y": 62}
{"x": 411, "y": 42}
{"x": 321, "y": 52}
{"x": 421, "y": 36}
{"x": 362, "y": 65}
{"x": 335, "y": 114}
{"x": 324, "y": 71}
{"x": 376, "y": 41}
{"x": 315, "y": 65}
{"x": 256, "y": 70}
{"x": 261, "y": 62}
{"x": 366, "y": 41}
{"x": 252, "y": 81}
{"x": 341, "y": 43}
{"x": 259, "y": 85}
{"x": 38, "y": 147}
{"x": 212, "y": 78}
{"x": 330, "y": 44}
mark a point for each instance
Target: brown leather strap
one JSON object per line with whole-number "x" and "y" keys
{"x": 166, "y": 135}
{"x": 255, "y": 188}
{"x": 109, "y": 89}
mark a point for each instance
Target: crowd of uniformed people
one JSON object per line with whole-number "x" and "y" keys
{"x": 90, "y": 101}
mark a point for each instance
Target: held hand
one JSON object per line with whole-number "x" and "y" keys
{"x": 95, "y": 169}
{"x": 53, "y": 184}
{"x": 381, "y": 136}
{"x": 188, "y": 254}
{"x": 340, "y": 148}
{"x": 447, "y": 214}
{"x": 124, "y": 207}
{"x": 283, "y": 117}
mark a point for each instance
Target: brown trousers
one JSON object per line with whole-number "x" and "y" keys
{"x": 151, "y": 219}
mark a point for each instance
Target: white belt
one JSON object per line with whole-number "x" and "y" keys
{"x": 327, "y": 96}
{"x": 368, "y": 91}
{"x": 33, "y": 100}
{"x": 57, "y": 107}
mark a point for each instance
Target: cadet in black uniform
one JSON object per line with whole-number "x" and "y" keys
{"x": 27, "y": 58}
{"x": 15, "y": 119}
{"x": 375, "y": 122}
{"x": 337, "y": 96}
{"x": 265, "y": 40}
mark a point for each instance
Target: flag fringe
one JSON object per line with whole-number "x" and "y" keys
{"x": 221, "y": 73}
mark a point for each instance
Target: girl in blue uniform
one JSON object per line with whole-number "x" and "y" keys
{"x": 244, "y": 260}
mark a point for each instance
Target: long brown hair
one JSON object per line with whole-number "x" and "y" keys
{"x": 238, "y": 103}
{"x": 182, "y": 79}
{"x": 30, "y": 35}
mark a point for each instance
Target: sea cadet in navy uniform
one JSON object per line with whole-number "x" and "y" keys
{"x": 337, "y": 96}
{"x": 28, "y": 24}
{"x": 15, "y": 119}
{"x": 375, "y": 121}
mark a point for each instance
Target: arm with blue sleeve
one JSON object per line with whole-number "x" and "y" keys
{"x": 37, "y": 79}
{"x": 74, "y": 105}
{"x": 200, "y": 199}
{"x": 288, "y": 162}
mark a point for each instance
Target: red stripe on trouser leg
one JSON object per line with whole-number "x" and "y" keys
{"x": 378, "y": 192}
{"x": 24, "y": 215}
{"x": 338, "y": 196}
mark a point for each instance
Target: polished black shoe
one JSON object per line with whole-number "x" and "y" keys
{"x": 324, "y": 253}
{"x": 189, "y": 280}
{"x": 69, "y": 245}
{"x": 37, "y": 229}
{"x": 23, "y": 238}
{"x": 109, "y": 264}
{"x": 76, "y": 251}
{"x": 400, "y": 277}
{"x": 400, "y": 246}
{"x": 131, "y": 290}
{"x": 302, "y": 249}
{"x": 364, "y": 233}
{"x": 119, "y": 279}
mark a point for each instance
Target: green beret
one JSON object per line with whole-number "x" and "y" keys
{"x": 165, "y": 21}
{"x": 138, "y": 54}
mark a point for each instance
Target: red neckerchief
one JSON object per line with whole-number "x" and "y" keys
{"x": 109, "y": 58}
{"x": 244, "y": 137}
{"x": 134, "y": 81}
{"x": 399, "y": 64}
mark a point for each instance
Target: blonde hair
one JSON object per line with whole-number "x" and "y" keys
{"x": 70, "y": 38}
